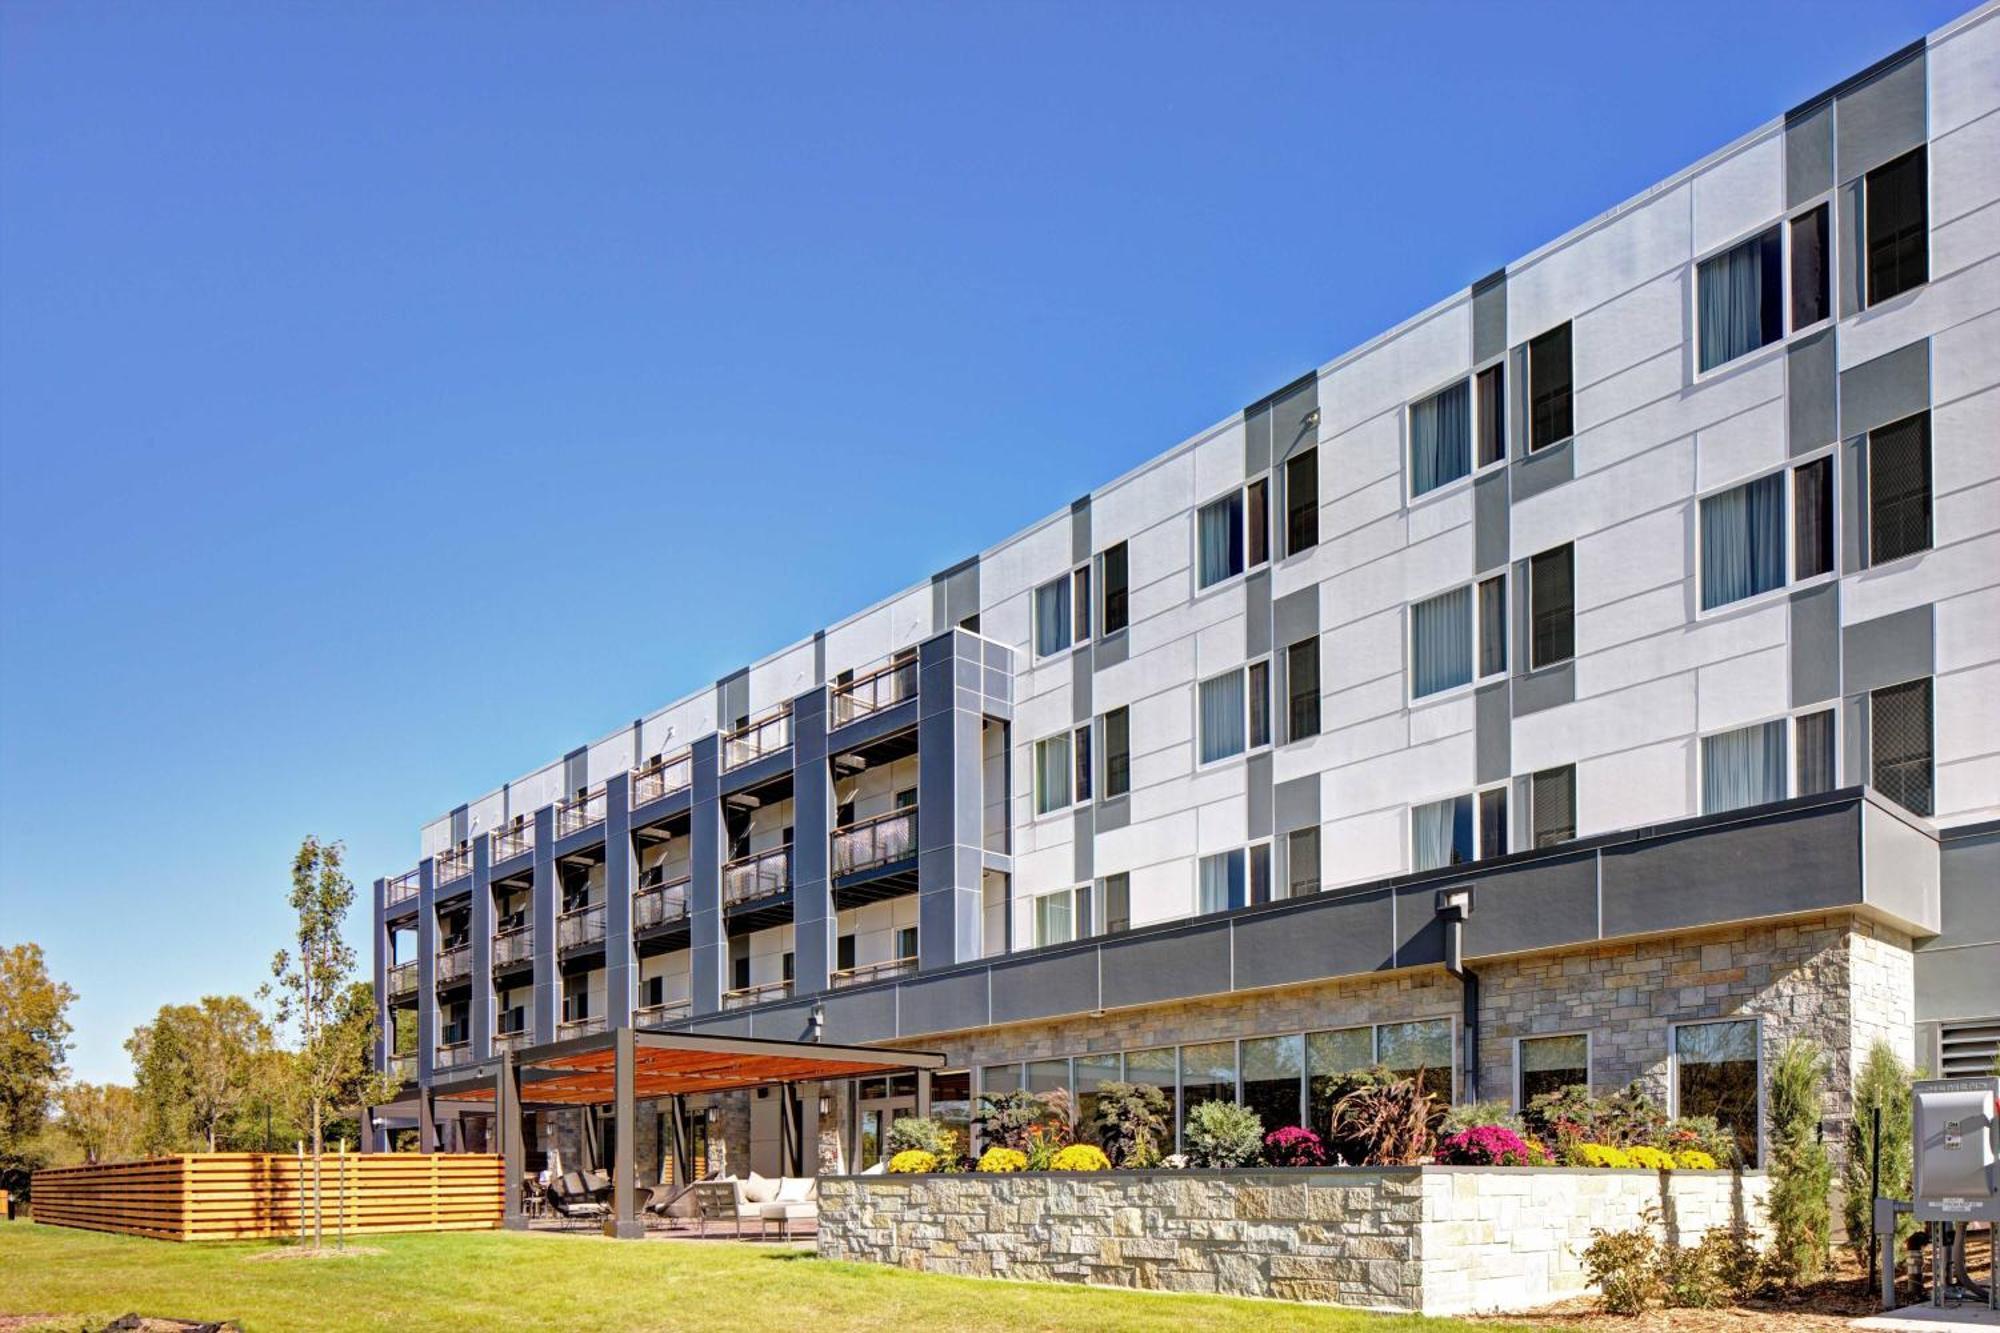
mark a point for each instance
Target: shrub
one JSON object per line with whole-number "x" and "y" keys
{"x": 1738, "y": 1263}
{"x": 1131, "y": 1122}
{"x": 1294, "y": 1145}
{"x": 1474, "y": 1115}
{"x": 1884, "y": 1084}
{"x": 1223, "y": 1134}
{"x": 1485, "y": 1145}
{"x": 1598, "y": 1155}
{"x": 913, "y": 1133}
{"x": 1571, "y": 1115}
{"x": 1625, "y": 1267}
{"x": 998, "y": 1160}
{"x": 1384, "y": 1124}
{"x": 1700, "y": 1133}
{"x": 1694, "y": 1159}
{"x": 913, "y": 1162}
{"x": 1080, "y": 1157}
{"x": 1650, "y": 1159}
{"x": 1800, "y": 1204}
{"x": 1691, "y": 1276}
{"x": 1015, "y": 1119}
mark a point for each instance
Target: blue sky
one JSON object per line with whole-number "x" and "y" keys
{"x": 393, "y": 396}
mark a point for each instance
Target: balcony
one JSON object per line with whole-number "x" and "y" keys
{"x": 403, "y": 1067}
{"x": 454, "y": 864}
{"x": 861, "y": 976}
{"x": 881, "y": 688}
{"x": 579, "y": 812}
{"x": 402, "y": 979}
{"x": 746, "y": 996}
{"x": 652, "y": 1015}
{"x": 662, "y": 777}
{"x": 869, "y": 843}
{"x": 761, "y": 875}
{"x": 757, "y": 738}
{"x": 513, "y": 947}
{"x": 453, "y": 965}
{"x": 580, "y": 927}
{"x": 451, "y": 1053}
{"x": 402, "y": 889}
{"x": 579, "y": 1027}
{"x": 512, "y": 840}
{"x": 660, "y": 904}
{"x": 510, "y": 1041}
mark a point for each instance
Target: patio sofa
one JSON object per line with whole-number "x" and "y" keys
{"x": 764, "y": 1200}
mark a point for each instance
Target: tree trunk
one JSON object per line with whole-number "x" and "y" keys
{"x": 317, "y": 1206}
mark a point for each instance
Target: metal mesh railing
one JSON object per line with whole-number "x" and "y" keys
{"x": 659, "y": 904}
{"x": 580, "y": 812}
{"x": 513, "y": 840}
{"x": 757, "y": 738}
{"x": 514, "y": 946}
{"x": 453, "y": 965}
{"x": 662, "y": 777}
{"x": 403, "y": 888}
{"x": 1900, "y": 744}
{"x": 759, "y": 876}
{"x": 879, "y": 689}
{"x": 584, "y": 925}
{"x": 875, "y": 842}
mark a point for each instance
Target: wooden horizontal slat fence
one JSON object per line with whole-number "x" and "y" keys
{"x": 245, "y": 1196}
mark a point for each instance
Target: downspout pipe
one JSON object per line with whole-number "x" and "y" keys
{"x": 1453, "y": 907}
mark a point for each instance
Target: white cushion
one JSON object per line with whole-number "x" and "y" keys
{"x": 794, "y": 1189}
{"x": 756, "y": 1189}
{"x": 878, "y": 1169}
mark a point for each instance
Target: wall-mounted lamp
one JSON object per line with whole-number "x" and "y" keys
{"x": 825, "y": 1102}
{"x": 1312, "y": 417}
{"x": 818, "y": 1024}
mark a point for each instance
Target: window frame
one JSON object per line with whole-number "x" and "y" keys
{"x": 1293, "y": 733}
{"x": 1867, "y": 505}
{"x": 1528, "y": 357}
{"x": 1874, "y": 750}
{"x": 1790, "y": 766}
{"x": 1251, "y": 745}
{"x": 1534, "y": 825}
{"x": 1319, "y": 870}
{"x": 1103, "y": 591}
{"x": 1201, "y": 858}
{"x": 1866, "y": 298}
{"x": 1103, "y": 721}
{"x": 1788, "y": 331}
{"x": 1589, "y": 1059}
{"x": 1489, "y": 366}
{"x": 1469, "y": 381}
{"x": 1291, "y": 461}
{"x": 1471, "y": 589}
{"x": 1068, "y": 737}
{"x": 1241, "y": 493}
{"x": 1066, "y": 584}
{"x": 1788, "y": 471}
{"x": 1674, "y": 1069}
{"x": 1533, "y": 664}
{"x": 1476, "y": 795}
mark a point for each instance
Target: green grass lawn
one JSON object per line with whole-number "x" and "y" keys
{"x": 520, "y": 1282}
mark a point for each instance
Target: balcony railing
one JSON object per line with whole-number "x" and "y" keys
{"x": 580, "y": 812}
{"x": 757, "y": 738}
{"x": 454, "y": 864}
{"x": 650, "y": 1015}
{"x": 510, "y": 1041}
{"x": 584, "y": 925}
{"x": 752, "y": 877}
{"x": 879, "y": 689}
{"x": 659, "y": 904}
{"x": 403, "y": 1067}
{"x": 513, "y": 946}
{"x": 662, "y": 776}
{"x": 579, "y": 1027}
{"x": 513, "y": 840}
{"x": 451, "y": 1053}
{"x": 868, "y": 843}
{"x": 402, "y": 888}
{"x": 749, "y": 995}
{"x": 454, "y": 964}
{"x": 402, "y": 978}
{"x": 856, "y": 976}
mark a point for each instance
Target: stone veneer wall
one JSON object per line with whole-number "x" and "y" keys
{"x": 1441, "y": 1240}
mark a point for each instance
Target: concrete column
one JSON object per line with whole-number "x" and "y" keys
{"x": 708, "y": 935}
{"x": 621, "y": 878}
{"x": 813, "y": 923}
{"x": 427, "y": 1009}
{"x": 507, "y": 1128}
{"x": 426, "y": 1120}
{"x": 949, "y": 800}
{"x": 482, "y": 947}
{"x": 923, "y": 1092}
{"x": 624, "y": 1222}
{"x": 547, "y": 1007}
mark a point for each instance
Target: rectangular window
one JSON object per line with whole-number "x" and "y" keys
{"x": 906, "y": 942}
{"x": 1552, "y": 607}
{"x": 1083, "y": 769}
{"x": 1811, "y": 300}
{"x": 1441, "y": 833}
{"x": 1260, "y": 703}
{"x": 1117, "y": 612}
{"x": 1440, "y": 439}
{"x": 786, "y": 965}
{"x": 1422, "y": 1050}
{"x": 1550, "y": 1064}
{"x": 1083, "y": 914}
{"x": 1812, "y": 519}
{"x": 1329, "y": 1056}
{"x": 1554, "y": 803}
{"x": 1441, "y": 643}
{"x": 1302, "y": 862}
{"x": 1899, "y": 744}
{"x": 1740, "y": 297}
{"x": 1219, "y": 540}
{"x": 1742, "y": 768}
{"x": 1208, "y": 1073}
{"x": 1222, "y": 733}
{"x": 1052, "y": 620}
{"x": 1158, "y": 1068}
{"x": 1302, "y": 689}
{"x": 1257, "y": 526}
{"x": 1221, "y": 885}
{"x": 739, "y": 969}
{"x": 1117, "y": 902}
{"x": 999, "y": 1078}
{"x": 1815, "y": 762}
{"x": 1743, "y": 541}
{"x": 1550, "y": 411}
{"x": 1117, "y": 753}
{"x": 1302, "y": 502}
{"x": 1896, "y": 212}
{"x": 1715, "y": 1074}
{"x": 1080, "y": 601}
{"x": 1273, "y": 1079}
{"x": 1492, "y": 823}
{"x": 1899, "y": 489}
{"x": 1092, "y": 1073}
{"x": 843, "y": 953}
{"x": 1493, "y": 626}
{"x": 1051, "y": 774}
{"x": 1260, "y": 873}
{"x": 1490, "y": 385}
{"x": 1052, "y": 918}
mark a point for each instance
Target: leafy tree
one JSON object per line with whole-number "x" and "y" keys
{"x": 1884, "y": 1085}
{"x": 197, "y": 1066}
{"x": 34, "y": 1051}
{"x": 101, "y": 1120}
{"x": 1800, "y": 1204}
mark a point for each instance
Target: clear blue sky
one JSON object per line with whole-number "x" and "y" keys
{"x": 393, "y": 396}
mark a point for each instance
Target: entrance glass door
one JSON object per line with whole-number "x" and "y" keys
{"x": 882, "y": 1101}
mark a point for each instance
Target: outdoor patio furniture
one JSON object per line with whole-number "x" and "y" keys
{"x": 785, "y": 1214}
{"x": 571, "y": 1199}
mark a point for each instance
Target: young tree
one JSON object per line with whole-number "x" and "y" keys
{"x": 161, "y": 1083}
{"x": 197, "y": 1067}
{"x": 1801, "y": 1204}
{"x": 1884, "y": 1085}
{"x": 101, "y": 1120}
{"x": 34, "y": 1050}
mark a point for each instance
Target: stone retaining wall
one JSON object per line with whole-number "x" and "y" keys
{"x": 1441, "y": 1240}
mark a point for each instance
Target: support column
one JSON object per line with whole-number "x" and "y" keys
{"x": 507, "y": 1126}
{"x": 950, "y": 813}
{"x": 621, "y": 879}
{"x": 547, "y": 902}
{"x": 427, "y": 929}
{"x": 384, "y": 1029}
{"x": 708, "y": 935}
{"x": 426, "y": 1120}
{"x": 813, "y": 920}
{"x": 624, "y": 1222}
{"x": 924, "y": 1092}
{"x": 482, "y": 947}
{"x": 683, "y": 1141}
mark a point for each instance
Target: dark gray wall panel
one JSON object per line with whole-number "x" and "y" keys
{"x": 1893, "y": 386}
{"x": 1419, "y": 936}
{"x": 1083, "y": 844}
{"x": 1295, "y": 804}
{"x": 1548, "y": 688}
{"x": 1081, "y": 664}
{"x": 866, "y": 1015}
{"x": 1320, "y": 938}
{"x": 1109, "y": 652}
{"x": 793, "y": 1022}
{"x": 1489, "y": 316}
{"x": 1880, "y": 119}
{"x": 943, "y": 1004}
{"x": 954, "y": 594}
{"x": 1291, "y": 411}
{"x": 1812, "y": 387}
{"x": 1854, "y": 766}
{"x": 1295, "y": 616}
{"x": 1256, "y": 439}
{"x": 1257, "y": 777}
{"x": 1801, "y": 861}
{"x": 1494, "y": 733}
{"x": 1079, "y": 531}
{"x": 1490, "y": 541}
{"x": 1535, "y": 906}
{"x": 1543, "y": 470}
{"x": 1847, "y": 245}
{"x": 1151, "y": 968}
{"x": 1808, "y": 153}
{"x": 1853, "y": 515}
{"x": 1257, "y": 613}
{"x": 1888, "y": 650}
{"x": 1815, "y": 645}
{"x": 1970, "y": 880}
{"x": 1958, "y": 983}
{"x": 732, "y": 697}
{"x": 1045, "y": 986}
{"x": 1114, "y": 814}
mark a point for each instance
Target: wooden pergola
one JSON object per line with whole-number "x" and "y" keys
{"x": 621, "y": 1068}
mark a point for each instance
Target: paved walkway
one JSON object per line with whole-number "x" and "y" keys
{"x": 1930, "y": 1318}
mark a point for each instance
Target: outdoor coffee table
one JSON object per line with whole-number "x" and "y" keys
{"x": 784, "y": 1214}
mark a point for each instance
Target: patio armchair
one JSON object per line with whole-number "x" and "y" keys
{"x": 572, "y": 1200}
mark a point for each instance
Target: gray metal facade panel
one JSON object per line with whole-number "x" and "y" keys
{"x": 732, "y": 697}
{"x": 1969, "y": 871}
{"x": 1958, "y": 983}
{"x": 814, "y": 919}
{"x": 1888, "y": 650}
{"x": 1149, "y": 968}
{"x": 1256, "y": 439}
{"x": 1045, "y": 986}
{"x": 1847, "y": 247}
{"x": 1295, "y": 804}
{"x": 1812, "y": 392}
{"x": 1853, "y": 513}
{"x": 1493, "y": 728}
{"x": 951, "y": 1003}
{"x": 1257, "y": 771}
{"x": 1542, "y": 904}
{"x": 954, "y": 594}
{"x": 785, "y": 1022}
{"x": 1490, "y": 521}
{"x": 1419, "y": 936}
{"x": 1550, "y": 687}
{"x": 1110, "y": 650}
{"x": 1295, "y": 616}
{"x": 1291, "y": 410}
{"x": 1083, "y": 844}
{"x": 1079, "y": 531}
{"x": 1543, "y": 470}
{"x": 708, "y": 943}
{"x": 1815, "y": 644}
{"x": 1899, "y": 870}
{"x": 1881, "y": 119}
{"x": 1343, "y": 935}
{"x": 1489, "y": 317}
{"x": 1808, "y": 153}
{"x": 482, "y": 950}
{"x": 860, "y": 1016}
{"x": 1080, "y": 672}
{"x": 546, "y": 903}
{"x": 1114, "y": 814}
{"x": 1892, "y": 386}
{"x": 1726, "y": 873}
{"x": 621, "y": 878}
{"x": 1257, "y": 612}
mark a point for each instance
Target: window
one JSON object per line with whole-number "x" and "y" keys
{"x": 1222, "y": 717}
{"x": 1208, "y": 1073}
{"x": 1117, "y": 611}
{"x": 1158, "y": 1068}
{"x": 1812, "y": 519}
{"x": 1554, "y": 791}
{"x": 1743, "y": 541}
{"x": 843, "y": 954}
{"x": 1741, "y": 299}
{"x": 906, "y": 942}
{"x": 739, "y": 969}
{"x": 1899, "y": 744}
{"x": 1489, "y": 386}
{"x": 1899, "y": 489}
{"x": 1441, "y": 643}
{"x": 1743, "y": 767}
{"x": 1083, "y": 915}
{"x": 1550, "y": 416}
{"x": 1302, "y": 689}
{"x": 1273, "y": 1078}
{"x": 1260, "y": 872}
{"x": 906, "y": 799}
{"x": 1715, "y": 1074}
{"x": 786, "y": 965}
{"x": 1440, "y": 439}
{"x": 1052, "y": 617}
{"x": 1896, "y": 219}
{"x": 1219, "y": 540}
{"x": 1815, "y": 761}
{"x": 1493, "y": 626}
{"x": 1302, "y": 862}
{"x": 1053, "y": 923}
{"x": 1441, "y": 833}
{"x": 1422, "y": 1050}
{"x": 1329, "y": 1056}
{"x": 1257, "y": 527}
{"x": 1302, "y": 502}
{"x": 1052, "y": 774}
{"x": 1260, "y": 704}
{"x": 575, "y": 999}
{"x": 1000, "y": 1078}
{"x": 1117, "y": 725}
{"x": 1493, "y": 822}
{"x": 1221, "y": 883}
{"x": 1550, "y": 1064}
{"x": 1552, "y": 607}
{"x": 1811, "y": 292}
{"x": 1091, "y": 1072}
{"x": 1117, "y": 902}
{"x": 1083, "y": 769}
{"x": 1080, "y": 601}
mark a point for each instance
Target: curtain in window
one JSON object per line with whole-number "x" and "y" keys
{"x": 1812, "y": 519}
{"x": 1222, "y": 717}
{"x": 1221, "y": 884}
{"x": 1492, "y": 626}
{"x": 1440, "y": 439}
{"x": 1052, "y": 918}
{"x": 1732, "y": 303}
{"x": 1741, "y": 768}
{"x": 1052, "y": 617}
{"x": 1441, "y": 642}
{"x": 1051, "y": 774}
{"x": 1815, "y": 753}
{"x": 1743, "y": 541}
{"x": 1431, "y": 834}
{"x": 1219, "y": 534}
